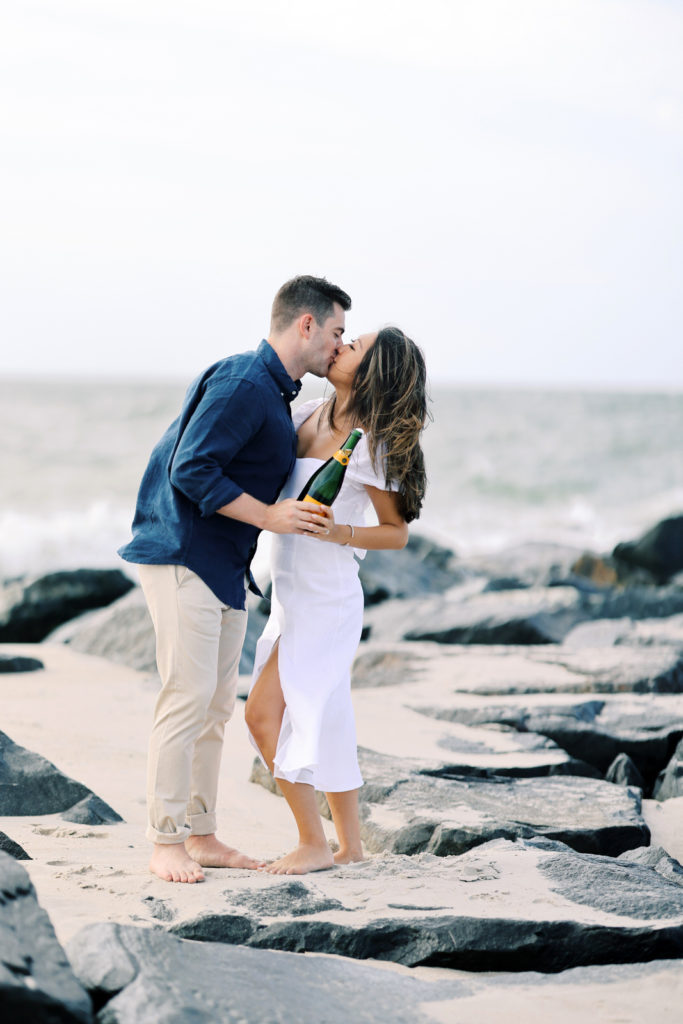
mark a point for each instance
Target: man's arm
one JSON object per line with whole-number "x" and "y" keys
{"x": 287, "y": 516}
{"x": 221, "y": 425}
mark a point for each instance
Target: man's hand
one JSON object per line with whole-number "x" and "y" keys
{"x": 291, "y": 516}
{"x": 288, "y": 516}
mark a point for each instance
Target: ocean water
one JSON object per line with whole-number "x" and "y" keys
{"x": 505, "y": 467}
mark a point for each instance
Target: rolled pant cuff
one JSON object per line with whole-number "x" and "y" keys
{"x": 202, "y": 824}
{"x": 167, "y": 838}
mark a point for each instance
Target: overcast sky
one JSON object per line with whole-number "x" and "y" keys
{"x": 501, "y": 179}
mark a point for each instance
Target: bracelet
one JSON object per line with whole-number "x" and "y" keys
{"x": 346, "y": 542}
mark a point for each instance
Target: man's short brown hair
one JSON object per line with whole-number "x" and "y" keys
{"x": 306, "y": 294}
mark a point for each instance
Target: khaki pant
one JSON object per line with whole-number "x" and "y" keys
{"x": 199, "y": 642}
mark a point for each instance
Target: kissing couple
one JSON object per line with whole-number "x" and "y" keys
{"x": 228, "y": 467}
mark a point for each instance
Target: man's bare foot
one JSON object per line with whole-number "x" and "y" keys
{"x": 302, "y": 860}
{"x": 172, "y": 863}
{"x": 349, "y": 857}
{"x": 210, "y": 852}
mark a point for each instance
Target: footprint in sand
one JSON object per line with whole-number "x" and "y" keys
{"x": 67, "y": 833}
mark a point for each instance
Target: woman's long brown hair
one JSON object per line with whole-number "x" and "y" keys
{"x": 389, "y": 400}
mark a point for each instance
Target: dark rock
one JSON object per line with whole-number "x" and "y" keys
{"x": 658, "y": 859}
{"x": 30, "y": 784}
{"x": 594, "y": 731}
{"x": 670, "y": 781}
{"x": 447, "y": 816}
{"x": 533, "y": 616}
{"x": 490, "y": 670}
{"x": 466, "y": 614}
{"x": 31, "y": 607}
{"x": 91, "y": 811}
{"x": 422, "y": 567}
{"x": 160, "y": 910}
{"x": 15, "y": 663}
{"x": 37, "y": 983}
{"x": 660, "y": 550}
{"x": 143, "y": 977}
{"x": 623, "y": 772}
{"x": 635, "y": 602}
{"x": 122, "y": 632}
{"x": 13, "y": 849}
{"x": 615, "y": 887}
{"x": 598, "y": 735}
{"x": 666, "y": 632}
{"x": 291, "y": 898}
{"x": 504, "y": 906}
{"x": 638, "y": 669}
{"x": 462, "y": 616}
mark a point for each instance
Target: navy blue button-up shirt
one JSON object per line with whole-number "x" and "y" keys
{"x": 234, "y": 435}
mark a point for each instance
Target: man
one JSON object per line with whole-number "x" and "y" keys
{"x": 209, "y": 488}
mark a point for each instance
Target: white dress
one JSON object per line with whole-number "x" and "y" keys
{"x": 317, "y": 612}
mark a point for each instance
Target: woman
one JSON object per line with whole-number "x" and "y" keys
{"x": 299, "y": 710}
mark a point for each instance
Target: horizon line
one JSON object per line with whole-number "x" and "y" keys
{"x": 466, "y": 384}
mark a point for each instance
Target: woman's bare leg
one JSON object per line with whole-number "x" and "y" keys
{"x": 264, "y": 711}
{"x": 344, "y": 808}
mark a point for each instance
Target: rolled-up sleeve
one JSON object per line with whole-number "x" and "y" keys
{"x": 222, "y": 424}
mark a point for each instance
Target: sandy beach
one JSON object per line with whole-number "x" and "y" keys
{"x": 90, "y": 717}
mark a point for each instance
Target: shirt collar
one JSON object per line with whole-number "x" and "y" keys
{"x": 289, "y": 388}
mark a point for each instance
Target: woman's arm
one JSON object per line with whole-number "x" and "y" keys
{"x": 392, "y": 531}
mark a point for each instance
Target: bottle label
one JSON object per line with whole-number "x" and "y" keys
{"x": 343, "y": 456}
{"x": 313, "y": 500}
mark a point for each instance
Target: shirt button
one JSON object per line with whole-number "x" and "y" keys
{"x": 293, "y": 394}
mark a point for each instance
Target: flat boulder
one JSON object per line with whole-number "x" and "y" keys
{"x": 141, "y": 976}
{"x": 448, "y": 815}
{"x": 31, "y": 607}
{"x": 539, "y": 615}
{"x": 658, "y": 859}
{"x": 659, "y": 550}
{"x": 596, "y": 730}
{"x": 123, "y": 632}
{"x": 636, "y": 602}
{"x": 30, "y": 784}
{"x": 666, "y": 631}
{"x": 17, "y": 663}
{"x": 37, "y": 983}
{"x": 502, "y": 906}
{"x": 489, "y": 670}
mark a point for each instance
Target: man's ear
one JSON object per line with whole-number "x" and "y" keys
{"x": 306, "y": 324}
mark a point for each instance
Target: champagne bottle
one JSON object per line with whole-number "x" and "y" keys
{"x": 325, "y": 484}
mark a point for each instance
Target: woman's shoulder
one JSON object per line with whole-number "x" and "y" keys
{"x": 365, "y": 470}
{"x": 303, "y": 411}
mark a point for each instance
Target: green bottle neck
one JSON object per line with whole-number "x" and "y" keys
{"x": 344, "y": 453}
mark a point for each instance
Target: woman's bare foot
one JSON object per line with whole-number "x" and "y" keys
{"x": 306, "y": 857}
{"x": 210, "y": 852}
{"x": 349, "y": 857}
{"x": 172, "y": 863}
